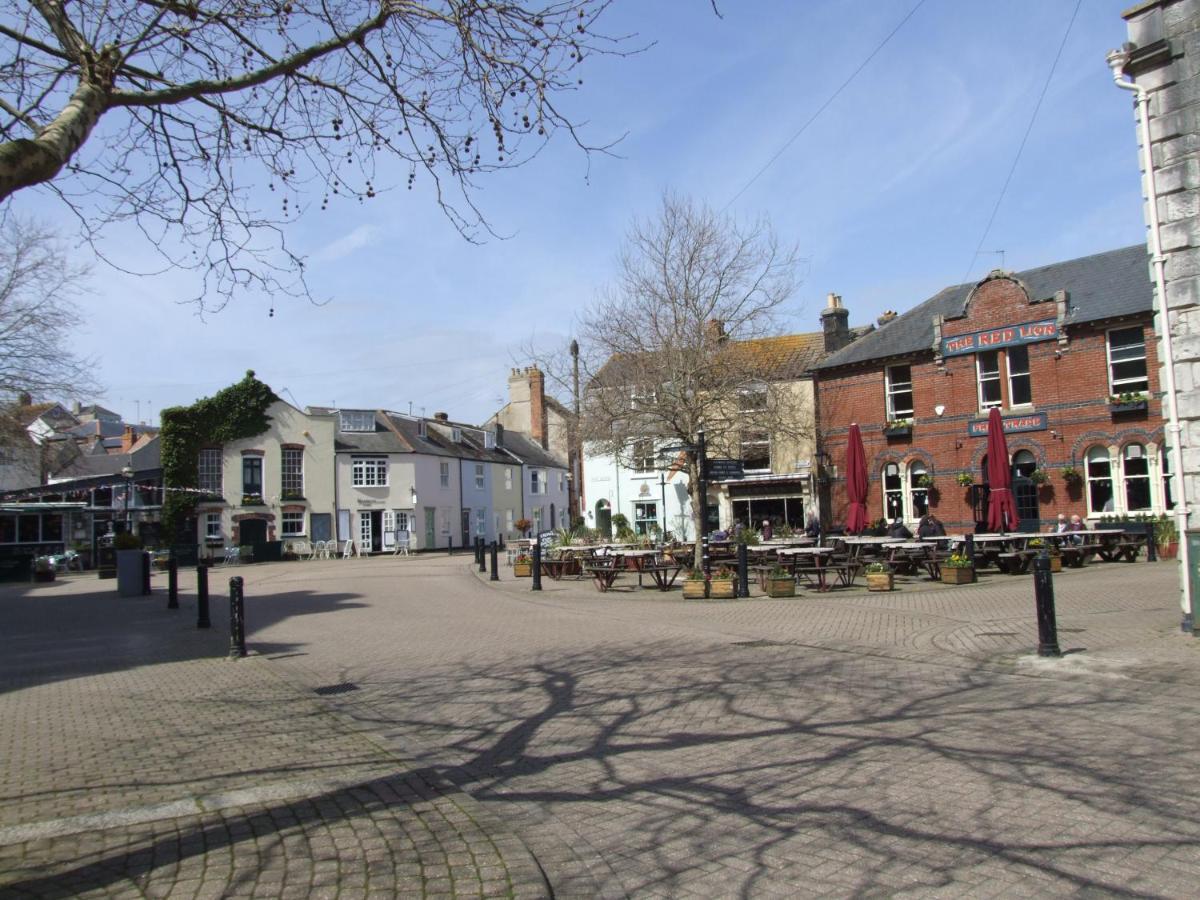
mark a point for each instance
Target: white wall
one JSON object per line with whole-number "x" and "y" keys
{"x": 605, "y": 479}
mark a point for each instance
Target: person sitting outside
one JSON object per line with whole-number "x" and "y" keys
{"x": 812, "y": 527}
{"x": 1062, "y": 526}
{"x": 1076, "y": 525}
{"x": 899, "y": 531}
{"x": 930, "y": 526}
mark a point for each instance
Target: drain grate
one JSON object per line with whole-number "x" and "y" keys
{"x": 329, "y": 689}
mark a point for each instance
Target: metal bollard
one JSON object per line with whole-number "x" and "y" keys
{"x": 449, "y": 545}
{"x": 202, "y": 619}
{"x": 1151, "y": 547}
{"x": 482, "y": 555}
{"x": 495, "y": 565}
{"x": 145, "y": 574}
{"x": 237, "y": 618}
{"x": 969, "y": 551}
{"x": 1043, "y": 593}
{"x": 704, "y": 555}
{"x": 537, "y": 566}
{"x": 172, "y": 582}
{"x": 477, "y": 540}
{"x": 743, "y": 573}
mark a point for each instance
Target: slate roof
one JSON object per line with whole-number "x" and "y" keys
{"x": 528, "y": 452}
{"x": 1102, "y": 286}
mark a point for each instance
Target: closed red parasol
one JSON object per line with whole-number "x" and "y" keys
{"x": 1002, "y": 508}
{"x": 856, "y": 481}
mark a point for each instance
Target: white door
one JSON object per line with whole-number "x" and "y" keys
{"x": 364, "y": 532}
{"x": 389, "y": 529}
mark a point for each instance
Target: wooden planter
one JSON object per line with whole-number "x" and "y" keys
{"x": 880, "y": 581}
{"x": 695, "y": 589}
{"x": 781, "y": 587}
{"x": 721, "y": 589}
{"x": 958, "y": 576}
{"x": 523, "y": 570}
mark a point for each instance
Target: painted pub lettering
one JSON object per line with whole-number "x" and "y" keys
{"x": 1033, "y": 422}
{"x": 994, "y": 338}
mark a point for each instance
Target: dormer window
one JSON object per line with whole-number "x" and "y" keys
{"x": 422, "y": 430}
{"x": 456, "y": 435}
{"x": 356, "y": 420}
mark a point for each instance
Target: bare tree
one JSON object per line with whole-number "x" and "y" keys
{"x": 170, "y": 113}
{"x": 673, "y": 346}
{"x": 38, "y": 287}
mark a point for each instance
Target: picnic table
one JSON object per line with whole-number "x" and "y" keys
{"x": 818, "y": 567}
{"x": 664, "y": 574}
{"x": 911, "y": 554}
{"x": 604, "y": 571}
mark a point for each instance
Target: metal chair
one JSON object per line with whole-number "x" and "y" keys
{"x": 403, "y": 542}
{"x": 349, "y": 550}
{"x": 232, "y": 556}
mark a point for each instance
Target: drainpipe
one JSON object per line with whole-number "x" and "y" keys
{"x": 1117, "y": 60}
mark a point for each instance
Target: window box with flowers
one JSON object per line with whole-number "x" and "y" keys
{"x": 957, "y": 569}
{"x": 253, "y": 500}
{"x": 291, "y": 495}
{"x": 1128, "y": 402}
{"x": 695, "y": 586}
{"x": 898, "y": 428}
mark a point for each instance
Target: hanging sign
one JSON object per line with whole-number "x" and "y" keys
{"x": 720, "y": 469}
{"x": 1032, "y": 422}
{"x": 1008, "y": 336}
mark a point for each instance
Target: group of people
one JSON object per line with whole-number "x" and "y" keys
{"x": 928, "y": 526}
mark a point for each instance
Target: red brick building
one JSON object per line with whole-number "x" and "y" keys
{"x": 1055, "y": 348}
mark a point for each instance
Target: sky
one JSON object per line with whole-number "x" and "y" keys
{"x": 886, "y": 194}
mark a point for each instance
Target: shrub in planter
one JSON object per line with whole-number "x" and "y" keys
{"x": 695, "y": 586}
{"x": 1166, "y": 536}
{"x": 1055, "y": 554}
{"x": 965, "y": 479}
{"x": 523, "y": 566}
{"x": 721, "y": 586}
{"x": 780, "y": 583}
{"x": 126, "y": 541}
{"x": 879, "y": 577}
{"x": 957, "y": 569}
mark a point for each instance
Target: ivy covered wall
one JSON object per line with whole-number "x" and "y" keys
{"x": 237, "y": 412}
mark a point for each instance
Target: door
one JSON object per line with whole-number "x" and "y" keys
{"x": 321, "y": 525}
{"x": 252, "y": 531}
{"x": 604, "y": 519}
{"x": 466, "y": 527}
{"x": 430, "y": 527}
{"x": 389, "y": 529}
{"x": 365, "y": 532}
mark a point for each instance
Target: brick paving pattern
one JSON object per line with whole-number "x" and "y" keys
{"x": 638, "y": 745}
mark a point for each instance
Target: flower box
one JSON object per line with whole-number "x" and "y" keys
{"x": 695, "y": 589}
{"x": 880, "y": 581}
{"x": 1131, "y": 407}
{"x": 958, "y": 575}
{"x": 523, "y": 569}
{"x": 722, "y": 589}
{"x": 781, "y": 587}
{"x": 897, "y": 430}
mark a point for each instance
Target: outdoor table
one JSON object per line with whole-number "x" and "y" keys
{"x": 638, "y": 560}
{"x": 604, "y": 571}
{"x": 664, "y": 574}
{"x": 818, "y": 567}
{"x": 913, "y": 554}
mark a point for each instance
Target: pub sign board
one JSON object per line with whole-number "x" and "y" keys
{"x": 994, "y": 338}
{"x": 721, "y": 469}
{"x": 1031, "y": 422}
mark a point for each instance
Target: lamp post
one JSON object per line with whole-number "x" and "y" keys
{"x": 662, "y": 483}
{"x": 127, "y": 474}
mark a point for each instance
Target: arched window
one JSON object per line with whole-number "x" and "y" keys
{"x": 1099, "y": 478}
{"x": 1135, "y": 471}
{"x": 893, "y": 492}
{"x": 1164, "y": 461}
{"x": 918, "y": 495}
{"x": 1023, "y": 463}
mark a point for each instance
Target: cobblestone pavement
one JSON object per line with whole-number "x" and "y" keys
{"x": 137, "y": 761}
{"x": 837, "y": 744}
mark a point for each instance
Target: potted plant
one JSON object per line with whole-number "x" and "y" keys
{"x": 925, "y": 481}
{"x": 780, "y": 583}
{"x": 1129, "y": 401}
{"x": 957, "y": 569}
{"x": 1039, "y": 476}
{"x": 721, "y": 585}
{"x": 522, "y": 526}
{"x": 1055, "y": 554}
{"x": 965, "y": 479}
{"x": 1166, "y": 536}
{"x": 879, "y": 577}
{"x": 523, "y": 566}
{"x": 898, "y": 428}
{"x": 747, "y": 536}
{"x": 695, "y": 586}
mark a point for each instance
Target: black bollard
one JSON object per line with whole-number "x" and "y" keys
{"x": 202, "y": 619}
{"x": 482, "y": 555}
{"x": 495, "y": 565}
{"x": 145, "y": 574}
{"x": 449, "y": 545}
{"x": 477, "y": 550}
{"x": 1151, "y": 547}
{"x": 704, "y": 555}
{"x": 743, "y": 572}
{"x": 237, "y": 618}
{"x": 537, "y": 566}
{"x": 172, "y": 582}
{"x": 969, "y": 551}
{"x": 1043, "y": 592}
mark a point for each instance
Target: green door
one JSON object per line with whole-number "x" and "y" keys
{"x": 430, "y": 538}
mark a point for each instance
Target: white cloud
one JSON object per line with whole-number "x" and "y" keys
{"x": 362, "y": 236}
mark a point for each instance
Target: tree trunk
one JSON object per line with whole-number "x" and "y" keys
{"x": 698, "y": 511}
{"x": 26, "y": 162}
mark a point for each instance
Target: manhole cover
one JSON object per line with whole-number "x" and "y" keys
{"x": 344, "y": 688}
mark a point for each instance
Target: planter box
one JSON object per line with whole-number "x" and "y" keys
{"x": 957, "y": 576}
{"x": 781, "y": 587}
{"x": 897, "y": 431}
{"x": 1137, "y": 406}
{"x": 722, "y": 589}
{"x": 880, "y": 581}
{"x": 1168, "y": 551}
{"x": 695, "y": 590}
{"x": 523, "y": 570}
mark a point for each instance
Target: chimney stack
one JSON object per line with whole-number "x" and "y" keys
{"x": 835, "y": 322}
{"x": 441, "y": 416}
{"x": 537, "y": 407}
{"x": 499, "y": 435}
{"x": 128, "y": 439}
{"x": 25, "y": 398}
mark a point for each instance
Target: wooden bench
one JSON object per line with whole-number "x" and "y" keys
{"x": 603, "y": 575}
{"x": 1015, "y": 562}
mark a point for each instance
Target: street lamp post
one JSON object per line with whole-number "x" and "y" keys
{"x": 127, "y": 474}
{"x": 662, "y": 482}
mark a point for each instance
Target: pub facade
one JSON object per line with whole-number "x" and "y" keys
{"x": 1065, "y": 351}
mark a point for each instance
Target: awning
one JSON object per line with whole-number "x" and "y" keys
{"x": 71, "y": 485}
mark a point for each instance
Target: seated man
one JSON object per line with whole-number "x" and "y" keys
{"x": 1062, "y": 526}
{"x": 930, "y": 526}
{"x": 1076, "y": 525}
{"x": 899, "y": 531}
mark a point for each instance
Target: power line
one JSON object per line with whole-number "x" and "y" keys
{"x": 1028, "y": 128}
{"x": 788, "y": 143}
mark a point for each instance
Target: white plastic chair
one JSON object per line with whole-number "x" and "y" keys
{"x": 349, "y": 551}
{"x": 403, "y": 541}
{"x": 232, "y": 555}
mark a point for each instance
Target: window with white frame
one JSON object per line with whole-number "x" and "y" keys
{"x": 444, "y": 474}
{"x": 292, "y": 524}
{"x": 479, "y": 476}
{"x": 643, "y": 457}
{"x": 292, "y": 472}
{"x": 988, "y": 366}
{"x": 208, "y": 470}
{"x": 1099, "y": 479}
{"x": 755, "y": 448}
{"x": 508, "y": 478}
{"x": 645, "y": 518}
{"x": 1164, "y": 464}
{"x": 1020, "y": 387}
{"x": 893, "y": 492}
{"x": 537, "y": 520}
{"x": 480, "y": 522}
{"x": 508, "y": 520}
{"x": 536, "y": 481}
{"x": 356, "y": 420}
{"x": 369, "y": 471}
{"x": 402, "y": 520}
{"x": 918, "y": 494}
{"x": 1127, "y": 361}
{"x": 1135, "y": 472}
{"x": 899, "y": 392}
{"x": 212, "y": 527}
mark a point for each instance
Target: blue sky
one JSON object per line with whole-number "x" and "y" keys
{"x": 886, "y": 195}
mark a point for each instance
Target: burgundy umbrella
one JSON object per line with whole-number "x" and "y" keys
{"x": 856, "y": 481}
{"x": 1002, "y": 509}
